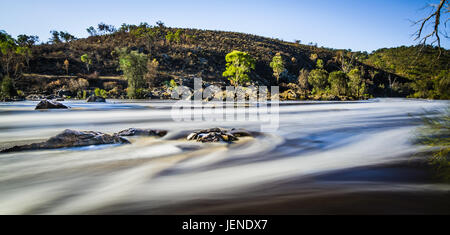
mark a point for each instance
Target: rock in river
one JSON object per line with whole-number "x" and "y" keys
{"x": 142, "y": 132}
{"x": 71, "y": 138}
{"x": 217, "y": 135}
{"x": 49, "y": 104}
{"x": 96, "y": 99}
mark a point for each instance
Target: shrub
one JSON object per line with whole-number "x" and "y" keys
{"x": 75, "y": 85}
{"x": 82, "y": 95}
{"x": 100, "y": 92}
{"x": 436, "y": 136}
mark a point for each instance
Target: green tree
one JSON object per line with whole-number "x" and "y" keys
{"x": 25, "y": 53}
{"x": 338, "y": 83}
{"x": 239, "y": 64}
{"x": 356, "y": 84}
{"x": 87, "y": 61}
{"x": 442, "y": 85}
{"x": 8, "y": 88}
{"x": 8, "y": 48}
{"x": 67, "y": 37}
{"x": 134, "y": 67}
{"x": 92, "y": 31}
{"x": 55, "y": 37}
{"x": 27, "y": 41}
{"x": 106, "y": 28}
{"x": 318, "y": 78}
{"x": 277, "y": 66}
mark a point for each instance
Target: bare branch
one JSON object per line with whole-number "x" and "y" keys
{"x": 439, "y": 9}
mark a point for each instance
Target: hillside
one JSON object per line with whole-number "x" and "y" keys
{"x": 427, "y": 68}
{"x": 200, "y": 53}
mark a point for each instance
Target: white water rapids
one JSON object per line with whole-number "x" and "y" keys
{"x": 155, "y": 175}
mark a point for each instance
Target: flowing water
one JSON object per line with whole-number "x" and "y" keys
{"x": 319, "y": 149}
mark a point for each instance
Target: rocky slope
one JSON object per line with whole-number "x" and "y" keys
{"x": 198, "y": 53}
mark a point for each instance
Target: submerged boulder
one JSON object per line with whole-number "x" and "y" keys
{"x": 71, "y": 138}
{"x": 49, "y": 104}
{"x": 97, "y": 99}
{"x": 217, "y": 135}
{"x": 141, "y": 132}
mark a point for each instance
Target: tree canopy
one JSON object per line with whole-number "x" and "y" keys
{"x": 239, "y": 64}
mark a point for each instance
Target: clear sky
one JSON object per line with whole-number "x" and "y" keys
{"x": 344, "y": 24}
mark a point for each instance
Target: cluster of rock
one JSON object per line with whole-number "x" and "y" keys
{"x": 73, "y": 138}
{"x": 218, "y": 135}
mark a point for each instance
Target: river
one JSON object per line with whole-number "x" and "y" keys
{"x": 324, "y": 157}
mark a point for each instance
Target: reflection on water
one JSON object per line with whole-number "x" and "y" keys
{"x": 160, "y": 175}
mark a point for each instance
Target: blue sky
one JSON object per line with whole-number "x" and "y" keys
{"x": 345, "y": 24}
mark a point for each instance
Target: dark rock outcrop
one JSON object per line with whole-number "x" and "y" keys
{"x": 141, "y": 132}
{"x": 49, "y": 104}
{"x": 71, "y": 138}
{"x": 97, "y": 99}
{"x": 217, "y": 135}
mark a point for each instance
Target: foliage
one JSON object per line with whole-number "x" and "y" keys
{"x": 134, "y": 67}
{"x": 8, "y": 88}
{"x": 436, "y": 135}
{"x": 338, "y": 83}
{"x": 239, "y": 64}
{"x": 8, "y": 48}
{"x": 277, "y": 66}
{"x": 318, "y": 79}
{"x": 87, "y": 61}
{"x": 92, "y": 31}
{"x": 174, "y": 37}
{"x": 171, "y": 85}
{"x": 27, "y": 41}
{"x": 356, "y": 84}
{"x": 100, "y": 92}
{"x": 67, "y": 37}
{"x": 427, "y": 71}
{"x": 82, "y": 95}
{"x": 103, "y": 29}
{"x": 55, "y": 39}
{"x": 319, "y": 64}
